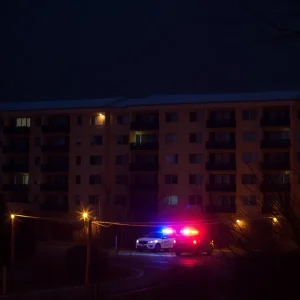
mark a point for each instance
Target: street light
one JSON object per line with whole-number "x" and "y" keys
{"x": 85, "y": 215}
{"x": 12, "y": 240}
{"x": 275, "y": 220}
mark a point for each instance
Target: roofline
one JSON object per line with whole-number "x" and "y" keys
{"x": 150, "y": 101}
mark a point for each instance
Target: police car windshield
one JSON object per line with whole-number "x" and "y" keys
{"x": 156, "y": 235}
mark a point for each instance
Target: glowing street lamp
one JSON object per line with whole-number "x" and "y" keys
{"x": 238, "y": 221}
{"x": 275, "y": 220}
{"x": 85, "y": 215}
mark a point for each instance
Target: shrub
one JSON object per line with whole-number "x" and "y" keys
{"x": 76, "y": 263}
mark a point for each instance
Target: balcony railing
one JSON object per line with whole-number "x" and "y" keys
{"x": 221, "y": 166}
{"x": 15, "y": 187}
{"x": 144, "y": 146}
{"x": 16, "y": 130}
{"x": 55, "y": 187}
{"x": 214, "y": 187}
{"x": 278, "y": 144}
{"x": 276, "y": 165}
{"x": 145, "y": 185}
{"x": 55, "y": 168}
{"x": 284, "y": 122}
{"x": 55, "y": 148}
{"x": 220, "y": 209}
{"x": 15, "y": 168}
{"x": 139, "y": 166}
{"x": 221, "y": 123}
{"x": 56, "y": 128}
{"x": 16, "y": 149}
{"x": 54, "y": 206}
{"x": 266, "y": 187}
{"x": 226, "y": 145}
{"x": 144, "y": 125}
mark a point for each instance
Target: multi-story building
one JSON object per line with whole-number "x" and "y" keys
{"x": 159, "y": 158}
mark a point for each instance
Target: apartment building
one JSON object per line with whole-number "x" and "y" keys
{"x": 159, "y": 158}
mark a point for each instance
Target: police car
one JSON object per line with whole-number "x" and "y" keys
{"x": 157, "y": 241}
{"x": 192, "y": 240}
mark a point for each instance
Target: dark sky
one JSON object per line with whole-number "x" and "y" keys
{"x": 92, "y": 49}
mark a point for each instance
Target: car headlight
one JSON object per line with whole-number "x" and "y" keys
{"x": 151, "y": 242}
{"x": 137, "y": 241}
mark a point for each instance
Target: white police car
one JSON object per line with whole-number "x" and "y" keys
{"x": 156, "y": 241}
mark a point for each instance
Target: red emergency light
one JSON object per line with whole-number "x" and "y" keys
{"x": 189, "y": 231}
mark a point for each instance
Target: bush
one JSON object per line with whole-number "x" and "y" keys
{"x": 76, "y": 263}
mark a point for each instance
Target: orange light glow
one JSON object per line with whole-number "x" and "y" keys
{"x": 189, "y": 231}
{"x": 12, "y": 216}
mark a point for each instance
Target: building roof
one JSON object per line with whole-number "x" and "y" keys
{"x": 151, "y": 100}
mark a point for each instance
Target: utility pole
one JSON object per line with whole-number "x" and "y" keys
{"x": 88, "y": 252}
{"x": 12, "y": 241}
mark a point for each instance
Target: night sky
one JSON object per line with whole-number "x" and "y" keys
{"x": 93, "y": 49}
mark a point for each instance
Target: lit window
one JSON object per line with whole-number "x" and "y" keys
{"x": 98, "y": 120}
{"x": 23, "y": 122}
{"x": 171, "y": 200}
{"x": 21, "y": 179}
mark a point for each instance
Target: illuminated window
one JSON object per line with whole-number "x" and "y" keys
{"x": 21, "y": 179}
{"x": 23, "y": 122}
{"x": 171, "y": 200}
{"x": 98, "y": 120}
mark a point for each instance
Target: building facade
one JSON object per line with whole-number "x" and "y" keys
{"x": 173, "y": 161}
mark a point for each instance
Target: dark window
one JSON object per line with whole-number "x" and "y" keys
{"x": 79, "y": 120}
{"x": 37, "y": 160}
{"x": 120, "y": 200}
{"x": 195, "y": 200}
{"x": 195, "y": 116}
{"x": 78, "y": 179}
{"x": 96, "y": 160}
{"x": 248, "y": 179}
{"x": 94, "y": 199}
{"x": 249, "y": 115}
{"x": 77, "y": 200}
{"x": 78, "y": 160}
{"x": 121, "y": 179}
{"x": 97, "y": 140}
{"x": 196, "y": 179}
{"x": 171, "y": 179}
{"x": 123, "y": 139}
{"x": 37, "y": 141}
{"x": 95, "y": 179}
{"x": 171, "y": 117}
{"x": 122, "y": 159}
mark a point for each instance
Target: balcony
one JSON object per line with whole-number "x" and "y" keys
{"x": 11, "y": 187}
{"x": 56, "y": 128}
{"x": 16, "y": 130}
{"x": 15, "y": 168}
{"x": 276, "y": 165}
{"x": 55, "y": 148}
{"x": 55, "y": 206}
{"x": 277, "y": 144}
{"x": 221, "y": 123}
{"x": 55, "y": 187}
{"x": 215, "y": 145}
{"x": 143, "y": 166}
{"x": 226, "y": 166}
{"x": 144, "y": 125}
{"x": 144, "y": 146}
{"x": 220, "y": 209}
{"x": 145, "y": 185}
{"x": 55, "y": 167}
{"x": 16, "y": 149}
{"x": 214, "y": 187}
{"x": 22, "y": 198}
{"x": 283, "y": 122}
{"x": 272, "y": 187}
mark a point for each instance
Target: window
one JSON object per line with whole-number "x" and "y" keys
{"x": 78, "y": 160}
{"x": 123, "y": 119}
{"x": 249, "y": 115}
{"x": 77, "y": 200}
{"x": 121, "y": 200}
{"x": 171, "y": 117}
{"x": 171, "y": 179}
{"x": 171, "y": 159}
{"x": 98, "y": 120}
{"x": 277, "y": 135}
{"x": 222, "y": 136}
{"x": 79, "y": 120}
{"x": 37, "y": 160}
{"x": 121, "y": 179}
{"x": 196, "y": 116}
{"x": 23, "y": 122}
{"x": 97, "y": 140}
{"x": 221, "y": 200}
{"x": 222, "y": 115}
{"x": 222, "y": 157}
{"x": 78, "y": 141}
{"x": 38, "y": 121}
{"x": 281, "y": 178}
{"x": 196, "y": 138}
{"x": 122, "y": 139}
{"x": 171, "y": 138}
{"x": 37, "y": 141}
{"x": 95, "y": 179}
{"x": 248, "y": 179}
{"x": 21, "y": 179}
{"x": 78, "y": 179}
{"x": 96, "y": 160}
{"x": 249, "y": 200}
{"x": 249, "y": 136}
{"x": 122, "y": 159}
{"x": 171, "y": 200}
{"x": 94, "y": 199}
{"x": 195, "y": 158}
{"x": 248, "y": 157}
{"x": 195, "y": 179}
{"x": 222, "y": 179}
{"x": 195, "y": 200}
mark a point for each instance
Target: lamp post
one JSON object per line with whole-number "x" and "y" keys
{"x": 12, "y": 241}
{"x": 86, "y": 217}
